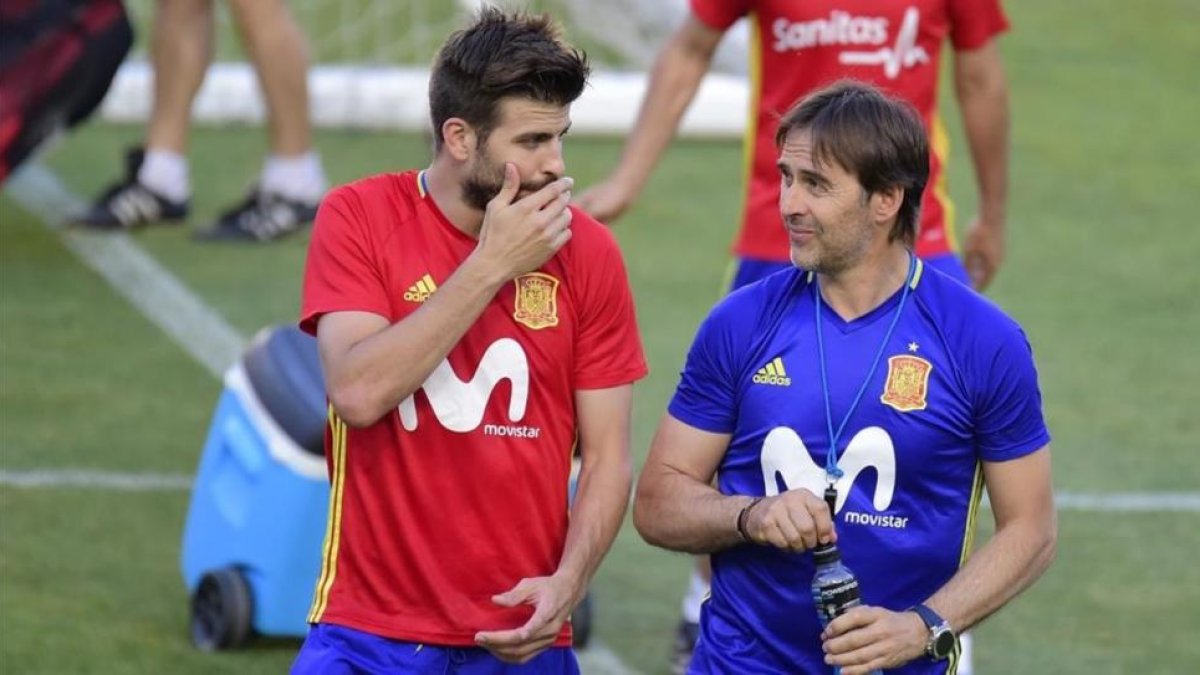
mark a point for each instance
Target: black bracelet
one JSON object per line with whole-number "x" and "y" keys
{"x": 741, "y": 519}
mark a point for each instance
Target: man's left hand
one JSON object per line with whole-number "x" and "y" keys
{"x": 866, "y": 639}
{"x": 983, "y": 251}
{"x": 553, "y": 599}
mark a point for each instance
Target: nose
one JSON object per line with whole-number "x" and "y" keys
{"x": 792, "y": 199}
{"x": 554, "y": 164}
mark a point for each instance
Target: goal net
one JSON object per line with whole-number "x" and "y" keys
{"x": 370, "y": 64}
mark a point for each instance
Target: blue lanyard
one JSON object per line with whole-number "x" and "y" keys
{"x": 832, "y": 472}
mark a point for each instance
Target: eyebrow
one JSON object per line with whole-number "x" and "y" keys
{"x": 540, "y": 135}
{"x": 815, "y": 176}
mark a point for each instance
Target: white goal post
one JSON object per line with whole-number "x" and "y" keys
{"x": 369, "y": 68}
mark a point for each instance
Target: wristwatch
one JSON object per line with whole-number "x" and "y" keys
{"x": 941, "y": 637}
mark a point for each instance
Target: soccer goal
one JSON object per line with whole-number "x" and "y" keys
{"x": 370, "y": 64}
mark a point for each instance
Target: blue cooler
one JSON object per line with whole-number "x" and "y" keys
{"x": 252, "y": 543}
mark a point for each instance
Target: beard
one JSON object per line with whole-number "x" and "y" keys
{"x": 832, "y": 252}
{"x": 485, "y": 180}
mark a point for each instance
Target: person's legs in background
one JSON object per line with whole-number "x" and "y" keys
{"x": 292, "y": 181}
{"x": 157, "y": 186}
{"x": 688, "y": 630}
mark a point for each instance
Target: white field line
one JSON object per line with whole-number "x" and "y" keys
{"x": 203, "y": 333}
{"x": 112, "y": 481}
{"x": 156, "y": 293}
{"x": 116, "y": 481}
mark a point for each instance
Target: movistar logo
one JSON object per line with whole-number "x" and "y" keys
{"x": 786, "y": 458}
{"x": 420, "y": 291}
{"x": 459, "y": 405}
{"x": 773, "y": 373}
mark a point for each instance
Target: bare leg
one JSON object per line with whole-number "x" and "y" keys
{"x": 180, "y": 50}
{"x": 276, "y": 45}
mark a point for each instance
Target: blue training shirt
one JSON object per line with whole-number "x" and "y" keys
{"x": 956, "y": 385}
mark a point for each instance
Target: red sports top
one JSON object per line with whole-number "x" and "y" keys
{"x": 797, "y": 47}
{"x": 462, "y": 491}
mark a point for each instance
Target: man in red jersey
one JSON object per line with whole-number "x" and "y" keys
{"x": 799, "y": 47}
{"x": 473, "y": 327}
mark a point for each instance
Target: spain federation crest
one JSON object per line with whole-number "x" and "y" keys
{"x": 907, "y": 383}
{"x": 536, "y": 305}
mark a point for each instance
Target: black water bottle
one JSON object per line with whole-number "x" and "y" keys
{"x": 834, "y": 586}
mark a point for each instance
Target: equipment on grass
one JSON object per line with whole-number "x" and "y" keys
{"x": 252, "y": 543}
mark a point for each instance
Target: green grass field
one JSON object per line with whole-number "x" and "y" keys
{"x": 1101, "y": 272}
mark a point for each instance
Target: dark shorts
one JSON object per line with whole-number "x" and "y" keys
{"x": 749, "y": 270}
{"x": 337, "y": 650}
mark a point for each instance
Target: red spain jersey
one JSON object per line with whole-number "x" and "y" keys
{"x": 798, "y": 47}
{"x": 461, "y": 491}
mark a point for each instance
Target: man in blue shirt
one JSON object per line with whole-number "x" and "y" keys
{"x": 874, "y": 374}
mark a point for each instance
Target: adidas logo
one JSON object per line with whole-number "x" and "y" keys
{"x": 773, "y": 374}
{"x": 420, "y": 291}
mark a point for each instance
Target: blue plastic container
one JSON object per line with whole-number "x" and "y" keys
{"x": 252, "y": 543}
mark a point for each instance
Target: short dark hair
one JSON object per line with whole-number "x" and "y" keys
{"x": 501, "y": 55}
{"x": 878, "y": 138}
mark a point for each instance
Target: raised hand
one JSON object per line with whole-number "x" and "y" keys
{"x": 518, "y": 236}
{"x": 796, "y": 520}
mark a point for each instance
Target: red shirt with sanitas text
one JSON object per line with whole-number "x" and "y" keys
{"x": 461, "y": 491}
{"x": 798, "y": 47}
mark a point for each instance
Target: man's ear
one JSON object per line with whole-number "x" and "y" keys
{"x": 886, "y": 203}
{"x": 458, "y": 138}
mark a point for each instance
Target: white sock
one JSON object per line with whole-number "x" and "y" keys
{"x": 166, "y": 174}
{"x": 698, "y": 590}
{"x": 298, "y": 177}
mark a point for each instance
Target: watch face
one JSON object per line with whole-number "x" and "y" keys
{"x": 943, "y": 644}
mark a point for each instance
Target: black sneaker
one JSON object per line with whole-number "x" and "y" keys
{"x": 129, "y": 204}
{"x": 263, "y": 216}
{"x": 685, "y": 643}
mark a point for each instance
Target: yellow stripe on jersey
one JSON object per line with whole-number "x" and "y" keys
{"x": 955, "y": 657}
{"x": 778, "y": 362}
{"x": 421, "y": 183}
{"x": 333, "y": 527}
{"x": 730, "y": 272}
{"x": 939, "y": 143}
{"x": 770, "y": 368}
{"x": 428, "y": 279}
{"x": 750, "y": 140}
{"x": 972, "y": 513}
{"x": 917, "y": 275}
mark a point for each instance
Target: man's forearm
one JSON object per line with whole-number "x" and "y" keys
{"x": 601, "y": 497}
{"x": 380, "y": 371}
{"x": 1004, "y": 567}
{"x": 683, "y": 514}
{"x": 983, "y": 100}
{"x": 673, "y": 83}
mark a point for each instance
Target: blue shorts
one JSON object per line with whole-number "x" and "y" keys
{"x": 749, "y": 270}
{"x": 337, "y": 650}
